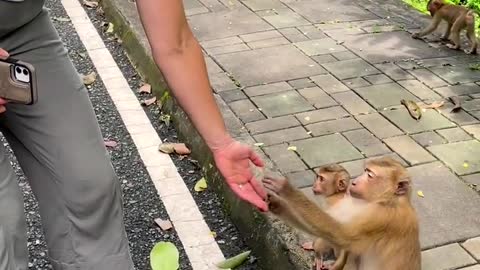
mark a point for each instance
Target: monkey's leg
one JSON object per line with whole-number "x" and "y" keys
{"x": 433, "y": 25}
{"x": 456, "y": 28}
{"x": 471, "y": 36}
{"x": 446, "y": 35}
{"x": 341, "y": 260}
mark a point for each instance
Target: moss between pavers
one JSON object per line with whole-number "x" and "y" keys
{"x": 271, "y": 241}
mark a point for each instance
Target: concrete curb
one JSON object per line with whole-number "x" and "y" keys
{"x": 272, "y": 242}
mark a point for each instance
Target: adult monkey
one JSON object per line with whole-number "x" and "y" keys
{"x": 457, "y": 17}
{"x": 383, "y": 235}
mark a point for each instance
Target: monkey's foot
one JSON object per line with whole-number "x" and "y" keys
{"x": 453, "y": 47}
{"x": 307, "y": 245}
{"x": 415, "y": 36}
{"x": 470, "y": 51}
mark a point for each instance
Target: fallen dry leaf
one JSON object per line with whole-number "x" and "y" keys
{"x": 109, "y": 143}
{"x": 412, "y": 108}
{"x": 292, "y": 148}
{"x": 179, "y": 148}
{"x": 90, "y": 4}
{"x": 420, "y": 194}
{"x": 166, "y": 148}
{"x": 89, "y": 78}
{"x": 259, "y": 144}
{"x": 434, "y": 105}
{"x": 148, "y": 102}
{"x": 456, "y": 104}
{"x": 164, "y": 224}
{"x": 465, "y": 165}
{"x": 146, "y": 88}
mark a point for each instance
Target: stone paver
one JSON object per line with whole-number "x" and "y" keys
{"x": 333, "y": 126}
{"x": 286, "y": 160}
{"x": 353, "y": 103}
{"x": 384, "y": 95}
{"x": 473, "y": 247}
{"x": 282, "y": 103}
{"x": 454, "y": 134}
{"x": 290, "y": 63}
{"x": 281, "y": 136}
{"x": 448, "y": 257}
{"x": 408, "y": 149}
{"x": 329, "y": 84}
{"x": 335, "y": 148}
{"x": 265, "y": 89}
{"x": 378, "y": 125}
{"x": 329, "y": 81}
{"x": 352, "y": 68}
{"x": 456, "y": 74}
{"x": 364, "y": 141}
{"x": 317, "y": 97}
{"x": 315, "y": 11}
{"x": 461, "y": 157}
{"x": 217, "y": 25}
{"x": 272, "y": 124}
{"x": 319, "y": 46}
{"x": 428, "y": 138}
{"x": 449, "y": 210}
{"x": 430, "y": 120}
{"x": 387, "y": 47}
{"x": 301, "y": 179}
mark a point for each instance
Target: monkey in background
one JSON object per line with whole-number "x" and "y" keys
{"x": 379, "y": 228}
{"x": 331, "y": 184}
{"x": 457, "y": 17}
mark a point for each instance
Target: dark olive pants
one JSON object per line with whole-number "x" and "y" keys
{"x": 60, "y": 149}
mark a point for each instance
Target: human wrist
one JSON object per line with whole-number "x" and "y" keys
{"x": 220, "y": 142}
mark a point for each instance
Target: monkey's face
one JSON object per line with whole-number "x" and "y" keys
{"x": 433, "y": 6}
{"x": 324, "y": 184}
{"x": 371, "y": 185}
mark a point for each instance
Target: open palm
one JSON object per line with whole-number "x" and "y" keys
{"x": 233, "y": 162}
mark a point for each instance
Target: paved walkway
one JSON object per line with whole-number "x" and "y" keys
{"x": 328, "y": 77}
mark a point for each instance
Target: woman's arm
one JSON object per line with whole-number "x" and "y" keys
{"x": 178, "y": 55}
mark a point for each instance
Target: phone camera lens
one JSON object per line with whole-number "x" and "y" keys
{"x": 25, "y": 72}
{"x": 18, "y": 70}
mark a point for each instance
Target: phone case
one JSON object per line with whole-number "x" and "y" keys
{"x": 18, "y": 82}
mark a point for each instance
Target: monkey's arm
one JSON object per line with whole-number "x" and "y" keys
{"x": 437, "y": 18}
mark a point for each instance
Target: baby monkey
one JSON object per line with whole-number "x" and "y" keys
{"x": 457, "y": 17}
{"x": 330, "y": 183}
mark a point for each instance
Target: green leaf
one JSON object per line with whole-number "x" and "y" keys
{"x": 164, "y": 256}
{"x": 234, "y": 261}
{"x": 110, "y": 28}
{"x": 201, "y": 185}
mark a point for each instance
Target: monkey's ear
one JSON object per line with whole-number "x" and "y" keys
{"x": 402, "y": 188}
{"x": 342, "y": 185}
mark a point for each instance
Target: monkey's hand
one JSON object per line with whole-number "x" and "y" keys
{"x": 308, "y": 245}
{"x": 416, "y": 35}
{"x": 277, "y": 185}
{"x": 275, "y": 203}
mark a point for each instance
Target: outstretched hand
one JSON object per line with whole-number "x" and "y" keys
{"x": 233, "y": 162}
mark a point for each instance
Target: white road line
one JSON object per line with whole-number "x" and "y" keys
{"x": 200, "y": 246}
